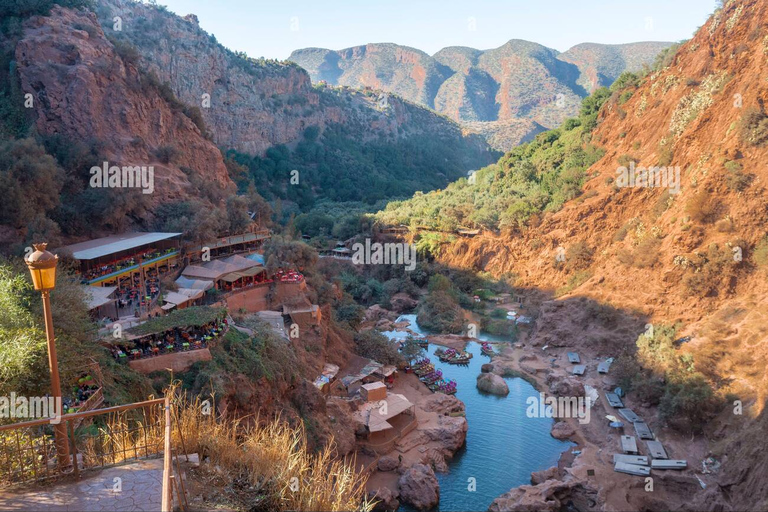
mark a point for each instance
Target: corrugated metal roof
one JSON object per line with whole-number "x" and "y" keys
{"x": 93, "y": 249}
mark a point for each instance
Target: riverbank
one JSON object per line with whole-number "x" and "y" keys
{"x": 584, "y": 476}
{"x": 441, "y": 429}
{"x": 503, "y": 446}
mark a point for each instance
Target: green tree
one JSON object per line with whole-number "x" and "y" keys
{"x": 411, "y": 349}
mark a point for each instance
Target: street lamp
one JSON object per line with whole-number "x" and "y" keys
{"x": 42, "y": 266}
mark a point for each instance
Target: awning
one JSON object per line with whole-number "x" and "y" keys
{"x": 191, "y": 293}
{"x": 231, "y": 278}
{"x": 197, "y": 284}
{"x": 254, "y": 271}
{"x": 176, "y": 298}
{"x": 96, "y": 296}
{"x": 168, "y": 307}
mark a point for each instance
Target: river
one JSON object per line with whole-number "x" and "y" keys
{"x": 503, "y": 445}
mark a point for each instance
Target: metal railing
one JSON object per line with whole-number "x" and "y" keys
{"x": 116, "y": 435}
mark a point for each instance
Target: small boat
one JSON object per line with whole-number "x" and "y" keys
{"x": 424, "y": 370}
{"x": 432, "y": 377}
{"x": 460, "y": 358}
{"x": 487, "y": 350}
{"x": 422, "y": 342}
{"x": 448, "y": 355}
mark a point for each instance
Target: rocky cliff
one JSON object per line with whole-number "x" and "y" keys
{"x": 519, "y": 81}
{"x": 254, "y": 104}
{"x": 84, "y": 91}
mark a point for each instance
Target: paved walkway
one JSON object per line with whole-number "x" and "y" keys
{"x": 128, "y": 488}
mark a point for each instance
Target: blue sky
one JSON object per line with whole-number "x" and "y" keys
{"x": 273, "y": 29}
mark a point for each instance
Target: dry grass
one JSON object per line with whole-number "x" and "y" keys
{"x": 272, "y": 458}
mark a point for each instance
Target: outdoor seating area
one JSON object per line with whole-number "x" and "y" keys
{"x": 183, "y": 330}
{"x": 132, "y": 296}
{"x": 124, "y": 263}
{"x": 237, "y": 273}
{"x": 229, "y": 245}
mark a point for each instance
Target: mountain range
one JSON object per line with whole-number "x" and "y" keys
{"x": 508, "y": 93}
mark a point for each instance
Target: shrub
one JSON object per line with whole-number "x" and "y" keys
{"x": 688, "y": 402}
{"x": 700, "y": 208}
{"x": 761, "y": 253}
{"x": 754, "y": 127}
{"x": 625, "y": 159}
{"x": 666, "y": 153}
{"x": 735, "y": 178}
{"x": 166, "y": 154}
{"x": 578, "y": 256}
{"x": 713, "y": 273}
{"x": 645, "y": 255}
{"x": 624, "y": 97}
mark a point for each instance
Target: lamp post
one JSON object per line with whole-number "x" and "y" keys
{"x": 42, "y": 266}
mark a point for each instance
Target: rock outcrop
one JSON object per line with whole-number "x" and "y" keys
{"x": 387, "y": 463}
{"x": 492, "y": 383}
{"x": 386, "y": 498}
{"x": 562, "y": 430}
{"x": 84, "y": 91}
{"x": 531, "y": 498}
{"x": 254, "y": 104}
{"x": 418, "y": 487}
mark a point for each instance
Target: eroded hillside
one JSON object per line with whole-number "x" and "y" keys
{"x": 693, "y": 255}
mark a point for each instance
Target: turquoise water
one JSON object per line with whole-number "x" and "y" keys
{"x": 503, "y": 445}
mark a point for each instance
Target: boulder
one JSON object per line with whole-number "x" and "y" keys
{"x": 562, "y": 430}
{"x": 528, "y": 369}
{"x": 386, "y": 498}
{"x": 384, "y": 325}
{"x": 487, "y": 368}
{"x": 442, "y": 404}
{"x": 566, "y": 387}
{"x": 450, "y": 433}
{"x": 418, "y": 486}
{"x": 539, "y": 477}
{"x": 403, "y": 303}
{"x": 387, "y": 463}
{"x": 531, "y": 498}
{"x": 527, "y": 357}
{"x": 492, "y": 383}
{"x": 376, "y": 313}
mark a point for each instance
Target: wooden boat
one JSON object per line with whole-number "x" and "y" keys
{"x": 459, "y": 360}
{"x": 487, "y": 350}
{"x": 422, "y": 342}
{"x": 448, "y": 355}
{"x": 424, "y": 370}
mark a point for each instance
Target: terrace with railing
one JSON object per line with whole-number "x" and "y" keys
{"x": 98, "y": 439}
